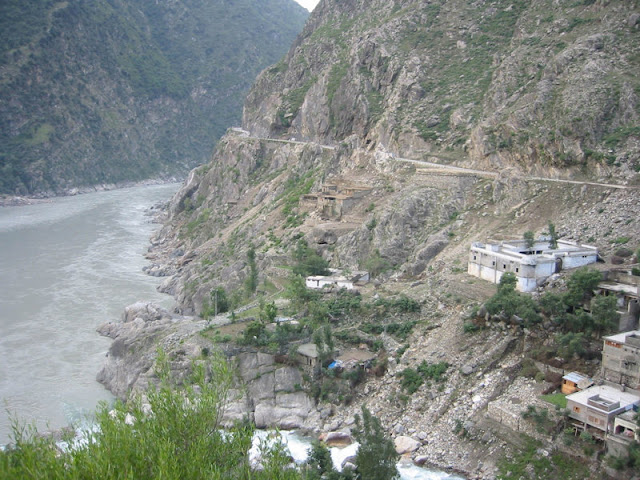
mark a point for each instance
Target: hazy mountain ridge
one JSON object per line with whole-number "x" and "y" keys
{"x": 110, "y": 91}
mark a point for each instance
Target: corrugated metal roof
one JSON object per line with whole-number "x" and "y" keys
{"x": 574, "y": 377}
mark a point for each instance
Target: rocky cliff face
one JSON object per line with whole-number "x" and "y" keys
{"x": 99, "y": 92}
{"x": 545, "y": 86}
{"x": 517, "y": 90}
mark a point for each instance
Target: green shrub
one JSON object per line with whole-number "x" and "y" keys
{"x": 470, "y": 327}
{"x": 182, "y": 438}
{"x": 411, "y": 380}
{"x": 433, "y": 371}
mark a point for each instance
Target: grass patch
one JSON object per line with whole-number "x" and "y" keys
{"x": 557, "y": 399}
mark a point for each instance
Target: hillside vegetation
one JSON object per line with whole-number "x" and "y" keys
{"x": 106, "y": 91}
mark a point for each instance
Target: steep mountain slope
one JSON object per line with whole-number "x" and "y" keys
{"x": 106, "y": 91}
{"x": 368, "y": 78}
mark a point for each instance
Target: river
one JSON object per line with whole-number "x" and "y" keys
{"x": 66, "y": 266}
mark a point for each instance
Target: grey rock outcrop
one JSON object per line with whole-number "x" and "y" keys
{"x": 272, "y": 395}
{"x": 266, "y": 392}
{"x": 144, "y": 326}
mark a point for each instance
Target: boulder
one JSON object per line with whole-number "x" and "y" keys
{"x": 405, "y": 444}
{"x": 466, "y": 369}
{"x": 420, "y": 460}
{"x": 336, "y": 439}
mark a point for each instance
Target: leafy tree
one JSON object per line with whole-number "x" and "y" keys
{"x": 572, "y": 343}
{"x": 529, "y": 239}
{"x": 510, "y": 302}
{"x": 308, "y": 262}
{"x": 376, "y": 458}
{"x": 552, "y": 304}
{"x": 376, "y": 264}
{"x": 268, "y": 311}
{"x": 296, "y": 290}
{"x": 217, "y": 303}
{"x": 605, "y": 316}
{"x": 580, "y": 321}
{"x": 581, "y": 285}
{"x": 319, "y": 462}
{"x": 255, "y": 334}
{"x": 508, "y": 283}
{"x": 324, "y": 343}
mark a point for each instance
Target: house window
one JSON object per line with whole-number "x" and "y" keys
{"x": 517, "y": 269}
{"x": 576, "y": 409}
{"x": 493, "y": 263}
{"x": 504, "y": 265}
{"x": 474, "y": 257}
{"x": 595, "y": 420}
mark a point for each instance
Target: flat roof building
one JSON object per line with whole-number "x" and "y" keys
{"x": 595, "y": 408}
{"x": 532, "y": 266}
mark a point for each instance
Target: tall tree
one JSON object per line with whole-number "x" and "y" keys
{"x": 251, "y": 282}
{"x": 529, "y": 239}
{"x": 604, "y": 313}
{"x": 377, "y": 457}
{"x": 553, "y": 236}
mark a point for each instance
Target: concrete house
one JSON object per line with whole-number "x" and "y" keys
{"x": 625, "y": 431}
{"x": 621, "y": 359}
{"x": 335, "y": 199}
{"x": 531, "y": 266}
{"x": 595, "y": 408}
{"x": 338, "y": 281}
{"x": 322, "y": 281}
{"x": 625, "y": 288}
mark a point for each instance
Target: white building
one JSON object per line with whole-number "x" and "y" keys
{"x": 337, "y": 280}
{"x": 321, "y": 281}
{"x": 532, "y": 266}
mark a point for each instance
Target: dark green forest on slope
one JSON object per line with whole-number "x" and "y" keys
{"x": 105, "y": 91}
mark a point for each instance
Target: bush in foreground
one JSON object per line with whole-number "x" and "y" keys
{"x": 170, "y": 433}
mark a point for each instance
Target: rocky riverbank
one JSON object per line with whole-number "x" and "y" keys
{"x": 267, "y": 393}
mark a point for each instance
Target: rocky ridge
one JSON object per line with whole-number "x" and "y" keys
{"x": 539, "y": 86}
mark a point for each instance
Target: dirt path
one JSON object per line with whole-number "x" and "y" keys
{"x": 444, "y": 168}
